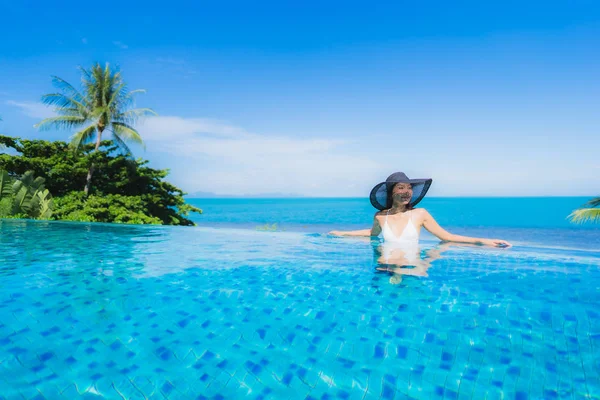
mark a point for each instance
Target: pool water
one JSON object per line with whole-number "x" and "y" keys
{"x": 100, "y": 311}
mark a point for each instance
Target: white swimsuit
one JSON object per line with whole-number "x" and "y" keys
{"x": 407, "y": 242}
{"x": 409, "y": 235}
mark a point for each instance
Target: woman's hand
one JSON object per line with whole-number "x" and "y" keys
{"x": 335, "y": 233}
{"x": 496, "y": 243}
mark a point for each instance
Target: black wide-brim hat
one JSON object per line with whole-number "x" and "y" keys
{"x": 379, "y": 194}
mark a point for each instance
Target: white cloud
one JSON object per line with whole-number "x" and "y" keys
{"x": 218, "y": 157}
{"x": 159, "y": 128}
{"x": 33, "y": 109}
{"x": 215, "y": 156}
{"x": 120, "y": 44}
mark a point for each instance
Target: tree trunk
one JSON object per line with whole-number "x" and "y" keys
{"x": 88, "y": 181}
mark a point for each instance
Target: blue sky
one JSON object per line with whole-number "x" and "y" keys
{"x": 328, "y": 98}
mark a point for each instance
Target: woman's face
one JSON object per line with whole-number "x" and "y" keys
{"x": 402, "y": 193}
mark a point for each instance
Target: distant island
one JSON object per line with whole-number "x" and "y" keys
{"x": 211, "y": 195}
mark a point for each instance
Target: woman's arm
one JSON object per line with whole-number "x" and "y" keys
{"x": 362, "y": 232}
{"x": 432, "y": 226}
{"x": 374, "y": 231}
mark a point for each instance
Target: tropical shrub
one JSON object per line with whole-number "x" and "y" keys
{"x": 125, "y": 190}
{"x": 24, "y": 197}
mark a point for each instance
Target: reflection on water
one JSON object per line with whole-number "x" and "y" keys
{"x": 400, "y": 259}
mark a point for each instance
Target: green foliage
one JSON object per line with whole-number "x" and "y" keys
{"x": 5, "y": 184}
{"x": 268, "y": 227}
{"x": 109, "y": 208}
{"x": 595, "y": 202}
{"x": 588, "y": 212}
{"x": 125, "y": 190}
{"x": 25, "y": 197}
{"x": 45, "y": 204}
{"x": 64, "y": 170}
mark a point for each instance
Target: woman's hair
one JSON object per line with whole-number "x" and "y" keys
{"x": 390, "y": 197}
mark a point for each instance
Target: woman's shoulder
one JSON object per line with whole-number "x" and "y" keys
{"x": 380, "y": 213}
{"x": 422, "y": 212}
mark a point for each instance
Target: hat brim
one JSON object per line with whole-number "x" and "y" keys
{"x": 379, "y": 193}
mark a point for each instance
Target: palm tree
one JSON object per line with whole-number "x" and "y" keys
{"x": 102, "y": 105}
{"x": 588, "y": 212}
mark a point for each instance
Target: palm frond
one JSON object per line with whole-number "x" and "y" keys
{"x": 126, "y": 133}
{"x": 61, "y": 122}
{"x": 122, "y": 145}
{"x": 106, "y": 72}
{"x": 595, "y": 202}
{"x": 131, "y": 93}
{"x": 115, "y": 92}
{"x": 76, "y": 112}
{"x": 62, "y": 101}
{"x": 83, "y": 136}
{"x": 127, "y": 99}
{"x": 104, "y": 76}
{"x": 85, "y": 74}
{"x": 131, "y": 116}
{"x": 67, "y": 88}
{"x": 100, "y": 113}
{"x": 584, "y": 215}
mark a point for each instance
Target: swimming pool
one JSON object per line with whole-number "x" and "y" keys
{"x": 102, "y": 311}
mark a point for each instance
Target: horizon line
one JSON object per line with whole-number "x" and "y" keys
{"x": 367, "y": 197}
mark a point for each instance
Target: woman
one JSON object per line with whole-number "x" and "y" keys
{"x": 400, "y": 223}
